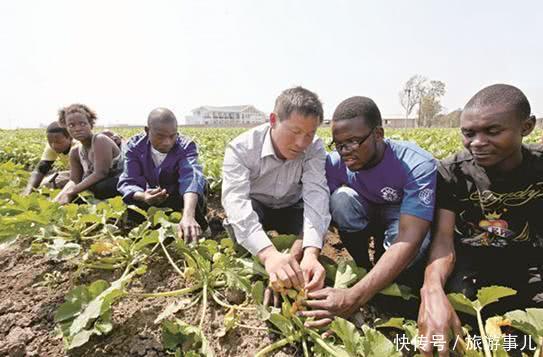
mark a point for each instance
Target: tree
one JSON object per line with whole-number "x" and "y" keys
{"x": 411, "y": 93}
{"x": 424, "y": 93}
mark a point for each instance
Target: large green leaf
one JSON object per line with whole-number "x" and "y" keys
{"x": 462, "y": 303}
{"x": 347, "y": 274}
{"x": 375, "y": 344}
{"x": 178, "y": 335}
{"x": 349, "y": 335}
{"x": 530, "y": 321}
{"x": 398, "y": 290}
{"x": 490, "y": 294}
{"x": 282, "y": 323}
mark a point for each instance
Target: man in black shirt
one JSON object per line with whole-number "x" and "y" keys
{"x": 489, "y": 212}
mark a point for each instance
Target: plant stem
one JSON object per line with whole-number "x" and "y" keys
{"x": 486, "y": 347}
{"x": 89, "y": 229}
{"x": 102, "y": 266}
{"x": 304, "y": 347}
{"x": 283, "y": 342}
{"x": 204, "y": 305}
{"x": 183, "y": 291}
{"x": 228, "y": 306}
{"x": 171, "y": 260}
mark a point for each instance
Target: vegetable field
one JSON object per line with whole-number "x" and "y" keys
{"x": 81, "y": 280}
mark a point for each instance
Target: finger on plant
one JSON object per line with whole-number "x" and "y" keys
{"x": 425, "y": 346}
{"x": 284, "y": 279}
{"x": 267, "y": 296}
{"x": 298, "y": 273}
{"x": 276, "y": 299}
{"x": 317, "y": 304}
{"x": 327, "y": 334}
{"x": 318, "y": 323}
{"x": 274, "y": 282}
{"x": 318, "y": 294}
{"x": 292, "y": 277}
{"x": 317, "y": 314}
{"x": 187, "y": 235}
{"x": 317, "y": 281}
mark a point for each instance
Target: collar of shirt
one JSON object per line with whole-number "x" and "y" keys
{"x": 267, "y": 146}
{"x": 158, "y": 153}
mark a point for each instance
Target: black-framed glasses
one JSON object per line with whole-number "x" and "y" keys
{"x": 350, "y": 145}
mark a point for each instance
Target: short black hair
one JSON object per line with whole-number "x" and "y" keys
{"x": 501, "y": 94}
{"x": 359, "y": 108}
{"x": 299, "y": 100}
{"x": 161, "y": 115}
{"x": 55, "y": 127}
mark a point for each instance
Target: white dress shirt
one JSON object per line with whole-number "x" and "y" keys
{"x": 252, "y": 170}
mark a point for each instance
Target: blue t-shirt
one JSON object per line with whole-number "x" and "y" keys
{"x": 406, "y": 176}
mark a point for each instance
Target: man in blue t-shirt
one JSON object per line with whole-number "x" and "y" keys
{"x": 381, "y": 188}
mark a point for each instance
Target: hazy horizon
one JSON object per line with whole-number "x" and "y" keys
{"x": 124, "y": 58}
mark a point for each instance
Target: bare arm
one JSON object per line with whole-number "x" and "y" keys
{"x": 436, "y": 315}
{"x": 35, "y": 179}
{"x": 76, "y": 172}
{"x": 411, "y": 233}
{"x": 442, "y": 253}
{"x": 104, "y": 149}
{"x": 43, "y": 167}
{"x": 330, "y": 302}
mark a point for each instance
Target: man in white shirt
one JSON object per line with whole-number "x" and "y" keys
{"x": 274, "y": 178}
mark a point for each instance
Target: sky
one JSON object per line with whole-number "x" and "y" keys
{"x": 124, "y": 58}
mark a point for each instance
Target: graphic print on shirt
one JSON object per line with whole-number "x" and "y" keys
{"x": 425, "y": 196}
{"x": 494, "y": 227}
{"x": 389, "y": 194}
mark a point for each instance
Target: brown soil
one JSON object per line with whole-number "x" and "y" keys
{"x": 28, "y": 305}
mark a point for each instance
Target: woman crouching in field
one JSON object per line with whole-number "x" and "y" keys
{"x": 95, "y": 162}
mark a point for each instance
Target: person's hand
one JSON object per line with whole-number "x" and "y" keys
{"x": 189, "y": 229}
{"x": 283, "y": 269}
{"x": 436, "y": 318}
{"x": 271, "y": 297}
{"x": 314, "y": 273}
{"x": 327, "y": 303}
{"x": 63, "y": 198}
{"x": 155, "y": 196}
{"x": 66, "y": 195}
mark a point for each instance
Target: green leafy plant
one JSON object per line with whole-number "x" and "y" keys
{"x": 185, "y": 340}
{"x": 529, "y": 322}
{"x": 485, "y": 296}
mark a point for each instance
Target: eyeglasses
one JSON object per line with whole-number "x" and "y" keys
{"x": 351, "y": 145}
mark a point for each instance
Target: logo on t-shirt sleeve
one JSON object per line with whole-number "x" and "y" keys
{"x": 425, "y": 196}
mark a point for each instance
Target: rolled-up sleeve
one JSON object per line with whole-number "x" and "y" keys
{"x": 316, "y": 196}
{"x": 191, "y": 176}
{"x": 132, "y": 179}
{"x": 237, "y": 203}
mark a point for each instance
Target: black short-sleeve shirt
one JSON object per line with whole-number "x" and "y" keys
{"x": 492, "y": 209}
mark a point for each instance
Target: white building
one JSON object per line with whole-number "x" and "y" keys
{"x": 237, "y": 114}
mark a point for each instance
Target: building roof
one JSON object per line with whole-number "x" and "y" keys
{"x": 228, "y": 108}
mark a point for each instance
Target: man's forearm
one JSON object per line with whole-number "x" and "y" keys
{"x": 35, "y": 179}
{"x": 190, "y": 201}
{"x": 440, "y": 265}
{"x": 390, "y": 265}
